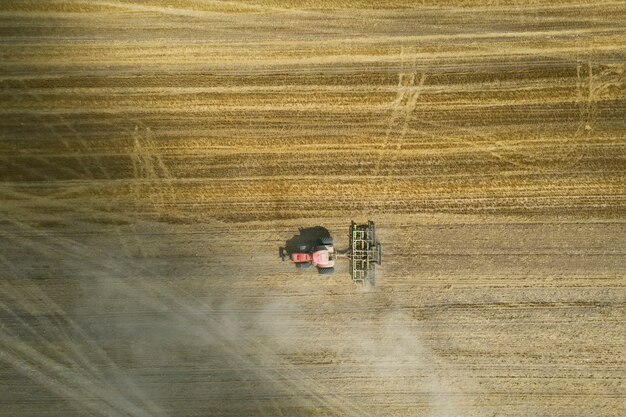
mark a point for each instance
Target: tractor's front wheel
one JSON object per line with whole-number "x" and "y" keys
{"x": 303, "y": 265}
{"x": 326, "y": 271}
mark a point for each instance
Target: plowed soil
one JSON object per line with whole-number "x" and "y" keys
{"x": 155, "y": 154}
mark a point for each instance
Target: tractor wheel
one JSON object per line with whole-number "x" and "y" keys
{"x": 303, "y": 248}
{"x": 303, "y": 265}
{"x": 326, "y": 271}
{"x": 326, "y": 240}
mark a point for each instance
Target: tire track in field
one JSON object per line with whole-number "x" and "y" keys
{"x": 402, "y": 109}
{"x": 45, "y": 369}
{"x": 569, "y": 153}
{"x": 74, "y": 373}
{"x": 83, "y": 148}
{"x": 234, "y": 119}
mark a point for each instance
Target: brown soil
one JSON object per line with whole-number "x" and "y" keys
{"x": 154, "y": 155}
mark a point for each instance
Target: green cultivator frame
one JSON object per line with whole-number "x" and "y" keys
{"x": 364, "y": 253}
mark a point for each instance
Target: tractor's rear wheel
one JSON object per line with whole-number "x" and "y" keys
{"x": 326, "y": 271}
{"x": 326, "y": 240}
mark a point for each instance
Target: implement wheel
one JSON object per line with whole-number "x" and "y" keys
{"x": 372, "y": 232}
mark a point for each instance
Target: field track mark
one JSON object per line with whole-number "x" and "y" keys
{"x": 234, "y": 7}
{"x": 402, "y": 109}
{"x": 52, "y": 130}
{"x": 69, "y": 127}
{"x": 410, "y": 108}
{"x": 97, "y": 385}
{"x": 148, "y": 164}
{"x": 90, "y": 369}
{"x": 50, "y": 201}
{"x": 570, "y": 154}
{"x": 44, "y": 160}
{"x": 63, "y": 140}
{"x": 64, "y": 248}
{"x": 29, "y": 171}
{"x": 64, "y": 381}
{"x": 69, "y": 171}
{"x": 121, "y": 376}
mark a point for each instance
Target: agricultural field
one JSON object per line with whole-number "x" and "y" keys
{"x": 155, "y": 154}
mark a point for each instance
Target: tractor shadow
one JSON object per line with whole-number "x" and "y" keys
{"x": 308, "y": 236}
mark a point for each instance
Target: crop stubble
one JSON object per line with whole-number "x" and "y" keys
{"x": 155, "y": 154}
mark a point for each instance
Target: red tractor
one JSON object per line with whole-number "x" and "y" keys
{"x": 321, "y": 255}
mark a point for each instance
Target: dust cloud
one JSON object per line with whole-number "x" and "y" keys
{"x": 394, "y": 351}
{"x": 115, "y": 335}
{"x": 125, "y": 335}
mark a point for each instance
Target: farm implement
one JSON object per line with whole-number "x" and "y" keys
{"x": 363, "y": 252}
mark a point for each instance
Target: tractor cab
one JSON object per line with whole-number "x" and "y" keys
{"x": 321, "y": 255}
